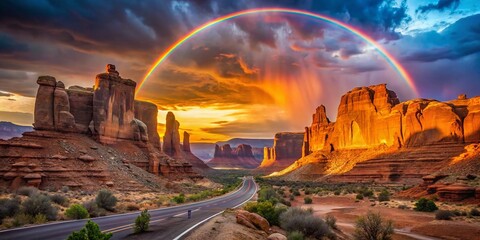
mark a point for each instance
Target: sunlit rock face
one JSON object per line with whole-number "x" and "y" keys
{"x": 287, "y": 148}
{"x": 171, "y": 139}
{"x": 147, "y": 113}
{"x": 239, "y": 157}
{"x": 372, "y": 116}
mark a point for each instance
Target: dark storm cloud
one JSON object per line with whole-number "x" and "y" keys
{"x": 457, "y": 41}
{"x": 441, "y": 5}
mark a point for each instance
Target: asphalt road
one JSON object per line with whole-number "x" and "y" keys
{"x": 165, "y": 223}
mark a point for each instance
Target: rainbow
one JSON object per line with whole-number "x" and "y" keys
{"x": 383, "y": 52}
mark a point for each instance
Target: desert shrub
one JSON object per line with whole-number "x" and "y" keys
{"x": 39, "y": 219}
{"x": 373, "y": 226}
{"x": 9, "y": 207}
{"x": 296, "y": 192}
{"x": 475, "y": 212}
{"x": 368, "y": 193}
{"x": 106, "y": 200}
{"x": 425, "y": 205}
{"x": 39, "y": 204}
{"x": 22, "y": 219}
{"x": 59, "y": 199}
{"x": 457, "y": 212}
{"x": 307, "y": 200}
{"x": 142, "y": 222}
{"x": 292, "y": 197}
{"x": 359, "y": 196}
{"x": 132, "y": 207}
{"x": 295, "y": 235}
{"x": 285, "y": 202}
{"x": 93, "y": 209}
{"x": 308, "y": 191}
{"x": 268, "y": 194}
{"x": 331, "y": 221}
{"x": 179, "y": 199}
{"x": 27, "y": 191}
{"x": 384, "y": 196}
{"x": 65, "y": 189}
{"x": 76, "y": 211}
{"x": 301, "y": 220}
{"x": 90, "y": 231}
{"x": 267, "y": 210}
{"x": 444, "y": 215}
{"x": 337, "y": 192}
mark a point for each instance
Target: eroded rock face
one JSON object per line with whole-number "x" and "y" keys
{"x": 373, "y": 116}
{"x": 252, "y": 220}
{"x": 287, "y": 148}
{"x": 186, "y": 141}
{"x": 239, "y": 157}
{"x": 147, "y": 113}
{"x": 171, "y": 139}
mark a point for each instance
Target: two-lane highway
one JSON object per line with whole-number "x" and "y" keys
{"x": 165, "y": 223}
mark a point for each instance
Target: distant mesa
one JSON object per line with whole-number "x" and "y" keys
{"x": 88, "y": 137}
{"x": 287, "y": 148}
{"x": 239, "y": 157}
{"x": 10, "y": 130}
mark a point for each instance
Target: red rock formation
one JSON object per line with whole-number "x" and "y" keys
{"x": 252, "y": 220}
{"x": 147, "y": 113}
{"x": 372, "y": 116}
{"x": 186, "y": 141}
{"x": 171, "y": 139}
{"x": 287, "y": 148}
{"x": 81, "y": 107}
{"x": 455, "y": 192}
{"x": 239, "y": 157}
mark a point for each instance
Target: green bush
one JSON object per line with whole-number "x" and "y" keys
{"x": 296, "y": 192}
{"x": 475, "y": 212}
{"x": 179, "y": 199}
{"x": 65, "y": 189}
{"x": 92, "y": 209}
{"x": 384, "y": 196}
{"x": 267, "y": 210}
{"x": 27, "y": 191}
{"x": 307, "y": 200}
{"x": 301, "y": 220}
{"x": 359, "y": 196}
{"x": 76, "y": 211}
{"x": 425, "y": 205}
{"x": 106, "y": 200}
{"x": 331, "y": 221}
{"x": 91, "y": 231}
{"x": 268, "y": 194}
{"x": 59, "y": 199}
{"x": 367, "y": 193}
{"x": 337, "y": 192}
{"x": 39, "y": 204}
{"x": 142, "y": 222}
{"x": 39, "y": 219}
{"x": 444, "y": 215}
{"x": 22, "y": 219}
{"x": 9, "y": 207}
{"x": 373, "y": 226}
{"x": 295, "y": 235}
{"x": 292, "y": 197}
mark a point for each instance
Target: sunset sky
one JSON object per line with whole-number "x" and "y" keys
{"x": 251, "y": 76}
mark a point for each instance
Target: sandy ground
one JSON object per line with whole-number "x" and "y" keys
{"x": 409, "y": 224}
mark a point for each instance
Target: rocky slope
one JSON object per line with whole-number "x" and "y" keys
{"x": 239, "y": 157}
{"x": 9, "y": 130}
{"x": 70, "y": 123}
{"x": 378, "y": 138}
{"x": 287, "y": 148}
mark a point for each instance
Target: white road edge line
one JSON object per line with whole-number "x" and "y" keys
{"x": 214, "y": 215}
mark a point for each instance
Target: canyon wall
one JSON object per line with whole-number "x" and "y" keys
{"x": 373, "y": 116}
{"x": 239, "y": 157}
{"x": 287, "y": 148}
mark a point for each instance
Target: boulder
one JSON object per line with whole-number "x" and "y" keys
{"x": 252, "y": 219}
{"x": 276, "y": 236}
{"x": 140, "y": 130}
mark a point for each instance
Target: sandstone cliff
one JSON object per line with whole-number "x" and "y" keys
{"x": 378, "y": 138}
{"x": 287, "y": 148}
{"x": 239, "y": 157}
{"x": 64, "y": 122}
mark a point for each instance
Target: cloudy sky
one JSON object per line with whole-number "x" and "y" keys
{"x": 250, "y": 76}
